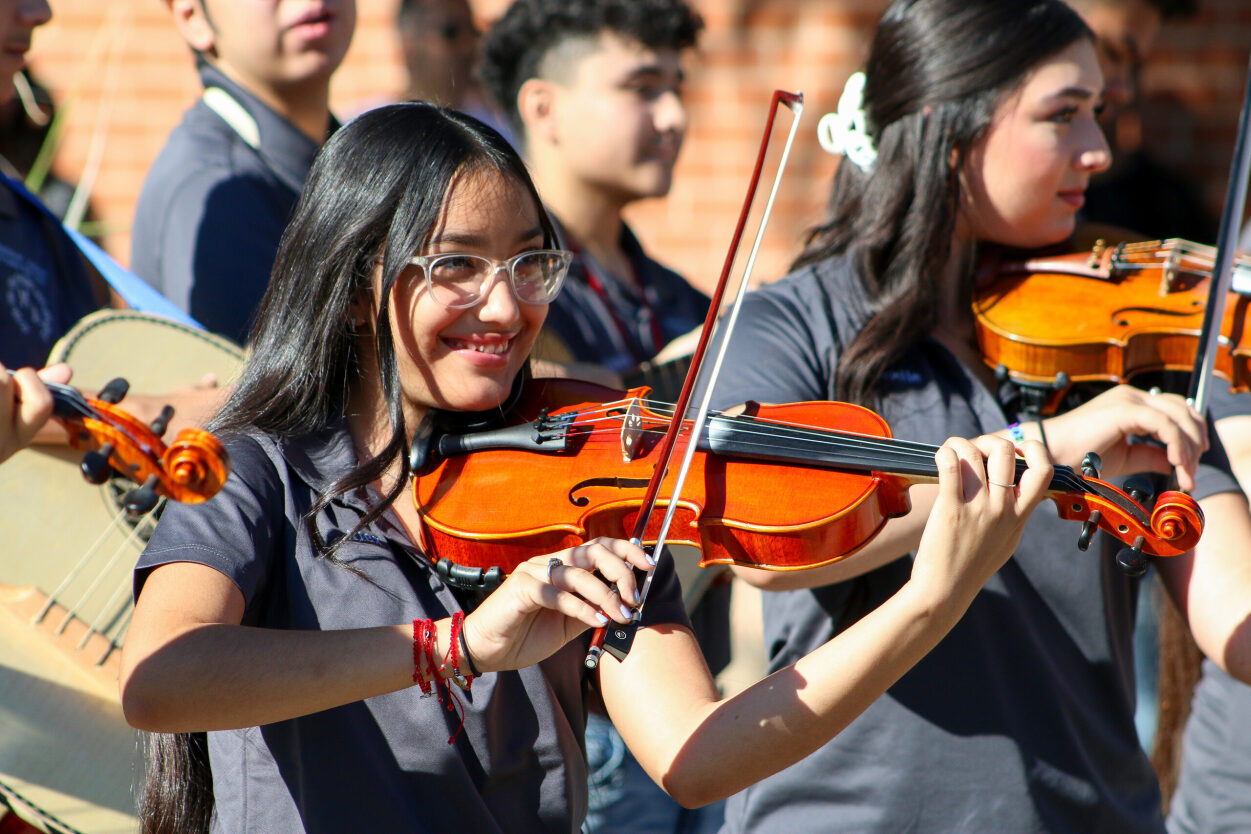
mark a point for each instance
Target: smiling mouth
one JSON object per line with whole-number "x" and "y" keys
{"x": 494, "y": 348}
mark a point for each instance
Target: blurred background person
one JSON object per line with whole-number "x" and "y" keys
{"x": 216, "y": 200}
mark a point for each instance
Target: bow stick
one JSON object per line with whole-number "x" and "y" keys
{"x": 1223, "y": 268}
{"x": 617, "y": 642}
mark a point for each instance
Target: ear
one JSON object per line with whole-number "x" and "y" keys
{"x": 193, "y": 25}
{"x": 537, "y": 104}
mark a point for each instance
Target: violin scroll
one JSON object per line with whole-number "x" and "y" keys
{"x": 1171, "y": 528}
{"x": 191, "y": 469}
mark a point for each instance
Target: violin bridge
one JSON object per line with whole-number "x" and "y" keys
{"x": 1171, "y": 267}
{"x": 632, "y": 434}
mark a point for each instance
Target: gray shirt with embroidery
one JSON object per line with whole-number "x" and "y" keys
{"x": 382, "y": 764}
{"x": 1021, "y": 720}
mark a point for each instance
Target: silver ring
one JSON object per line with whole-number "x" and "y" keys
{"x": 996, "y": 483}
{"x": 551, "y": 563}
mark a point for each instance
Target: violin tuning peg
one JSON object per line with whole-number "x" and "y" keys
{"x": 1139, "y": 488}
{"x": 161, "y": 423}
{"x": 114, "y": 391}
{"x": 95, "y": 465}
{"x": 1091, "y": 464}
{"x": 1131, "y": 560}
{"x": 1088, "y": 530}
{"x": 142, "y": 500}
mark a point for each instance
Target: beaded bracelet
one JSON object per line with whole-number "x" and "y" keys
{"x": 1016, "y": 433}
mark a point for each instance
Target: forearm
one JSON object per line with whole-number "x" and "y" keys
{"x": 218, "y": 677}
{"x": 721, "y": 748}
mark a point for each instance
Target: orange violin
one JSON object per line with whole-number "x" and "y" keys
{"x": 1107, "y": 315}
{"x": 191, "y": 469}
{"x": 587, "y": 453}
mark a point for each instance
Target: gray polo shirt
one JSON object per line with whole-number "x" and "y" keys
{"x": 382, "y": 764}
{"x": 215, "y": 203}
{"x": 1021, "y": 719}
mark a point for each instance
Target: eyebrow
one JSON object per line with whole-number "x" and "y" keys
{"x": 470, "y": 239}
{"x": 1082, "y": 93}
{"x": 650, "y": 71}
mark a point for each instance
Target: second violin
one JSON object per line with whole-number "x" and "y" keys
{"x": 1106, "y": 315}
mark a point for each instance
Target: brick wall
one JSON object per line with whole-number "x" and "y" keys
{"x": 125, "y": 76}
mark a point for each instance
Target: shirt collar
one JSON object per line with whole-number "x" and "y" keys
{"x": 284, "y": 148}
{"x": 320, "y": 458}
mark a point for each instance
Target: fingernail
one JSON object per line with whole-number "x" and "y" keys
{"x": 651, "y": 558}
{"x": 637, "y": 596}
{"x": 627, "y": 613}
{"x": 602, "y": 617}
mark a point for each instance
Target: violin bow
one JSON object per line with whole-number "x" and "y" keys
{"x": 617, "y": 640}
{"x": 1223, "y": 268}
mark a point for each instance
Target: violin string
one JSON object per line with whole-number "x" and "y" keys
{"x": 857, "y": 449}
{"x": 1203, "y": 256}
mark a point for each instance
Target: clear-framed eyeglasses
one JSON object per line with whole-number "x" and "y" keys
{"x": 457, "y": 280}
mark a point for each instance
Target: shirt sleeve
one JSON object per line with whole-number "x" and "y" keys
{"x": 775, "y": 354}
{"x": 237, "y": 532}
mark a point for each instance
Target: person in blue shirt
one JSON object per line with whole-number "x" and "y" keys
{"x": 217, "y": 197}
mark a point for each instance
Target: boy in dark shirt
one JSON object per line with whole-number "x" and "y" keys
{"x": 593, "y": 92}
{"x": 217, "y": 198}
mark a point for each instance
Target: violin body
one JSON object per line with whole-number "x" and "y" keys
{"x": 1105, "y": 315}
{"x": 780, "y": 487}
{"x": 593, "y": 488}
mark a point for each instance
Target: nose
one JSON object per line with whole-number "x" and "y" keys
{"x": 1094, "y": 155}
{"x": 498, "y": 303}
{"x": 34, "y": 12}
{"x": 669, "y": 113}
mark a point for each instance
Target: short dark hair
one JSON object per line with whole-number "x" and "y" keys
{"x": 515, "y": 46}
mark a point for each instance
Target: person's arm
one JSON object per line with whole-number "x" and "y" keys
{"x": 664, "y": 702}
{"x": 1212, "y": 585}
{"x": 25, "y": 405}
{"x": 188, "y": 664}
{"x": 1102, "y": 425}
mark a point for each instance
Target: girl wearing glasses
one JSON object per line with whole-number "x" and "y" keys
{"x": 274, "y": 625}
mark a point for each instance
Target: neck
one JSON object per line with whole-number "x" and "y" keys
{"x": 305, "y": 104}
{"x": 590, "y": 216}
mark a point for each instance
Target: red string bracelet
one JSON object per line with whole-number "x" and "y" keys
{"x": 423, "y": 631}
{"x": 453, "y": 654}
{"x": 424, "y": 647}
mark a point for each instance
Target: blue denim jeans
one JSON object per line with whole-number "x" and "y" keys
{"x": 623, "y": 798}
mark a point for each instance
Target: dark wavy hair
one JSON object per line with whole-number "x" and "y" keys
{"x": 935, "y": 73}
{"x": 376, "y": 189}
{"x": 514, "y": 48}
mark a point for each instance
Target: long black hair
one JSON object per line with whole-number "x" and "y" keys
{"x": 935, "y": 73}
{"x": 376, "y": 190}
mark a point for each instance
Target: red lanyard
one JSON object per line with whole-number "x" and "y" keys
{"x": 628, "y": 336}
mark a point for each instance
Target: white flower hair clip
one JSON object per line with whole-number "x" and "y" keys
{"x": 844, "y": 132}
